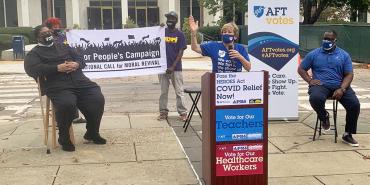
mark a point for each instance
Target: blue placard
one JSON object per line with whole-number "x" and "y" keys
{"x": 239, "y": 124}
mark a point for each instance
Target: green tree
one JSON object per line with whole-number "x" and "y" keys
{"x": 335, "y": 15}
{"x": 130, "y": 23}
{"x": 312, "y": 9}
{"x": 230, "y": 8}
{"x": 187, "y": 32}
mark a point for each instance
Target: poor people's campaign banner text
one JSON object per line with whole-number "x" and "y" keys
{"x": 120, "y": 52}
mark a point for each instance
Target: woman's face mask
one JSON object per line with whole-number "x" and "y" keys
{"x": 58, "y": 31}
{"x": 227, "y": 38}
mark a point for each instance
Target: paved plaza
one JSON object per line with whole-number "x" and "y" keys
{"x": 142, "y": 150}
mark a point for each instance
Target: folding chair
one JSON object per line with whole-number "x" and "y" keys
{"x": 198, "y": 92}
{"x": 47, "y": 114}
{"x": 335, "y": 114}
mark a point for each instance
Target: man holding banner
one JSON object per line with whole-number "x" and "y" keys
{"x": 332, "y": 76}
{"x": 175, "y": 46}
{"x": 226, "y": 55}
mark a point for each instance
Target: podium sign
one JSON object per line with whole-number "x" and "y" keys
{"x": 239, "y": 159}
{"x": 239, "y": 124}
{"x": 238, "y": 88}
{"x": 234, "y": 125}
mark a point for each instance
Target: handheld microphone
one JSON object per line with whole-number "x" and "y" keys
{"x": 231, "y": 47}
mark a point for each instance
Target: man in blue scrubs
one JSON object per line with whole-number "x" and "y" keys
{"x": 332, "y": 74}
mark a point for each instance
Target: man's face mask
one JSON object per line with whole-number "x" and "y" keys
{"x": 171, "y": 23}
{"x": 46, "y": 38}
{"x": 226, "y": 38}
{"x": 327, "y": 44}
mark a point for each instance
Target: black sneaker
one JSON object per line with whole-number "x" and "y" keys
{"x": 79, "y": 120}
{"x": 67, "y": 145}
{"x": 97, "y": 139}
{"x": 349, "y": 140}
{"x": 326, "y": 123}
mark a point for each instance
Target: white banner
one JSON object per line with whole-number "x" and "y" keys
{"x": 239, "y": 88}
{"x": 273, "y": 43}
{"x": 121, "y": 52}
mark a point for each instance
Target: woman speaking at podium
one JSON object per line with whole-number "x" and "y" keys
{"x": 226, "y": 56}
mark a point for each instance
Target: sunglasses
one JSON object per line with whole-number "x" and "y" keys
{"x": 330, "y": 39}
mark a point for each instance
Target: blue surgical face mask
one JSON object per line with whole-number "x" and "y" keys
{"x": 327, "y": 45}
{"x": 226, "y": 38}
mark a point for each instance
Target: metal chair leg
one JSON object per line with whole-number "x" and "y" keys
{"x": 193, "y": 107}
{"x": 314, "y": 134}
{"x": 196, "y": 99}
{"x": 335, "y": 114}
{"x": 320, "y": 128}
{"x": 187, "y": 122}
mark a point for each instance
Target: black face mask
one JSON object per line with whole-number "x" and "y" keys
{"x": 57, "y": 31}
{"x": 171, "y": 24}
{"x": 46, "y": 38}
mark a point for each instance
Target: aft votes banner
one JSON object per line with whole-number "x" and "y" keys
{"x": 121, "y": 52}
{"x": 273, "y": 43}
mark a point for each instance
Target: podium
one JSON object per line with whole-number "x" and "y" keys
{"x": 234, "y": 128}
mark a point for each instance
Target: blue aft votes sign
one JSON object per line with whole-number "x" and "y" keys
{"x": 273, "y": 46}
{"x": 239, "y": 124}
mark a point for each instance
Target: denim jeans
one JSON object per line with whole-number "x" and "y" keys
{"x": 319, "y": 94}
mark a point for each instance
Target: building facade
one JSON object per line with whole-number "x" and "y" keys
{"x": 100, "y": 14}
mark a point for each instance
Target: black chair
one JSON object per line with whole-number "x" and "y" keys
{"x": 197, "y": 92}
{"x": 335, "y": 113}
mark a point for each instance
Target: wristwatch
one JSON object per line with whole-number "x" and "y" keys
{"x": 343, "y": 89}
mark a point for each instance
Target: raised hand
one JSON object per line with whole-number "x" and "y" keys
{"x": 192, "y": 24}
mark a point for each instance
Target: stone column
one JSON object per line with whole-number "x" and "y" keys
{"x": 171, "y": 5}
{"x": 124, "y": 10}
{"x": 23, "y": 13}
{"x": 76, "y": 12}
